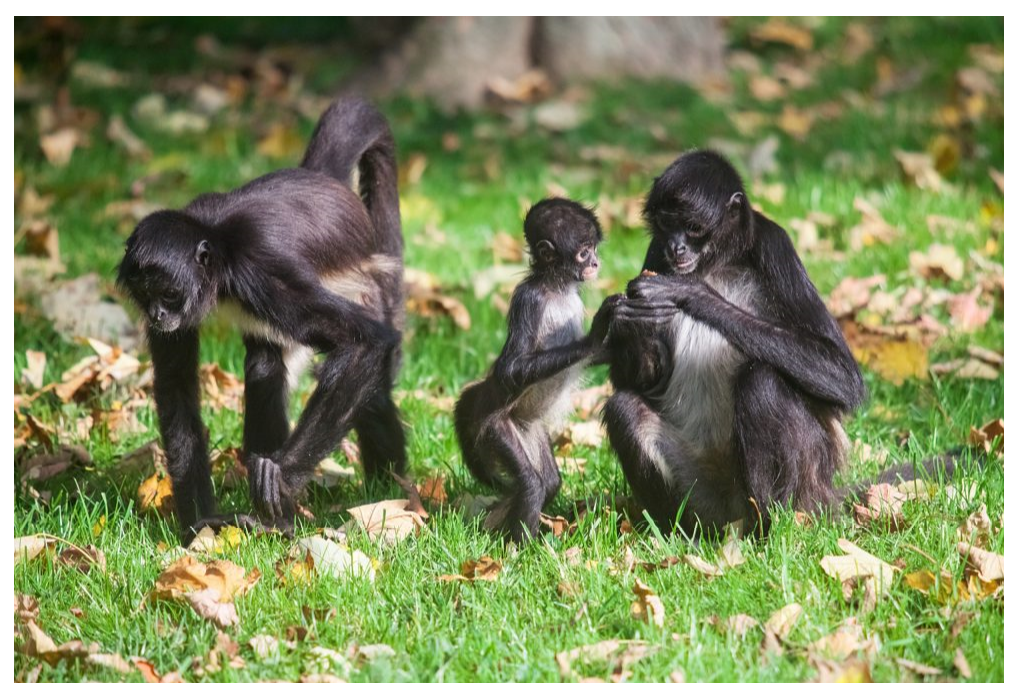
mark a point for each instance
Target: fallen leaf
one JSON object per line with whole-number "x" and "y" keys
{"x": 424, "y": 298}
{"x": 29, "y": 547}
{"x": 332, "y": 559}
{"x": 782, "y": 621}
{"x": 648, "y": 605}
{"x": 39, "y": 645}
{"x": 960, "y": 662}
{"x": 883, "y": 504}
{"x": 619, "y": 654}
{"x": 894, "y": 359}
{"x": 507, "y": 248}
{"x": 919, "y": 668}
{"x": 208, "y": 605}
{"x": 857, "y": 567}
{"x": 987, "y": 434}
{"x": 156, "y": 495}
{"x": 264, "y": 645}
{"x": 919, "y": 168}
{"x": 967, "y": 315}
{"x": 82, "y": 558}
{"x": 433, "y": 489}
{"x": 739, "y": 624}
{"x": 841, "y": 644}
{"x": 187, "y": 575}
{"x": 938, "y": 262}
{"x": 59, "y": 145}
{"x": 780, "y": 31}
{"x": 328, "y": 473}
{"x": 854, "y": 671}
{"x": 207, "y": 541}
{"x": 971, "y": 368}
{"x": 373, "y": 652}
{"x": 588, "y": 433}
{"x": 977, "y": 528}
{"x": 26, "y": 607}
{"x": 484, "y": 569}
{"x": 853, "y": 294}
{"x": 702, "y": 566}
{"x": 119, "y": 133}
{"x": 873, "y": 229}
{"x": 388, "y": 521}
{"x": 988, "y": 566}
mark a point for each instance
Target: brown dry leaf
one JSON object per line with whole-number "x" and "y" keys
{"x": 739, "y": 624}
{"x": 883, "y": 504}
{"x": 433, "y": 489}
{"x": 329, "y": 473}
{"x": 29, "y": 547}
{"x": 507, "y": 248}
{"x": 41, "y": 239}
{"x": 114, "y": 662}
{"x": 425, "y": 299}
{"x": 264, "y": 645}
{"x": 986, "y": 565}
{"x": 119, "y": 133}
{"x": 729, "y": 553}
{"x": 332, "y": 559}
{"x": 557, "y": 525}
{"x": 588, "y": 402}
{"x": 970, "y": 368}
{"x": 82, "y": 558}
{"x": 35, "y": 369}
{"x": 856, "y": 567}
{"x": 59, "y": 145}
{"x": 619, "y": 653}
{"x": 853, "y": 294}
{"x": 854, "y": 671}
{"x": 39, "y": 645}
{"x": 873, "y": 228}
{"x": 187, "y": 575}
{"x": 765, "y": 88}
{"x": 702, "y": 566}
{"x": 960, "y": 662}
{"x": 149, "y": 673}
{"x": 388, "y": 521}
{"x": 412, "y": 169}
{"x": 967, "y": 315}
{"x": 281, "y": 141}
{"x": 841, "y": 644}
{"x": 209, "y": 542}
{"x": 208, "y": 605}
{"x": 919, "y": 168}
{"x": 530, "y": 86}
{"x": 369, "y": 653}
{"x": 986, "y": 435}
{"x": 156, "y": 495}
{"x": 484, "y": 569}
{"x": 148, "y": 457}
{"x": 977, "y": 528}
{"x": 221, "y": 388}
{"x": 782, "y": 621}
{"x": 25, "y": 607}
{"x": 587, "y": 433}
{"x": 939, "y": 262}
{"x": 648, "y": 605}
{"x": 780, "y": 31}
{"x": 918, "y": 668}
{"x": 296, "y": 568}
{"x": 893, "y": 358}
{"x": 796, "y": 122}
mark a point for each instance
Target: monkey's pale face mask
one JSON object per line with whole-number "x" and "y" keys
{"x": 587, "y": 260}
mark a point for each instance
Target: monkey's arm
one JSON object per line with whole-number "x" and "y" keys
{"x": 810, "y": 357}
{"x": 176, "y": 391}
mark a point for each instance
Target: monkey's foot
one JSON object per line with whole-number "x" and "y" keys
{"x": 269, "y": 492}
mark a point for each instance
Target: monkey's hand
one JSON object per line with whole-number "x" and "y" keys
{"x": 661, "y": 296}
{"x": 269, "y": 491}
{"x": 604, "y": 319}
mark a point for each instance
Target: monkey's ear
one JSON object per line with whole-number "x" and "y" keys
{"x": 736, "y": 201}
{"x": 202, "y": 253}
{"x": 545, "y": 251}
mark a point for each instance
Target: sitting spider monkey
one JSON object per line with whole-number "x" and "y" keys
{"x": 301, "y": 264}
{"x": 503, "y": 421}
{"x": 731, "y": 377}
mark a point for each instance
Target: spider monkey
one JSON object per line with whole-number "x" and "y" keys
{"x": 503, "y": 421}
{"x": 731, "y": 377}
{"x": 301, "y": 264}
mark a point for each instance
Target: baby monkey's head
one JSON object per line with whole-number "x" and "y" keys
{"x": 563, "y": 238}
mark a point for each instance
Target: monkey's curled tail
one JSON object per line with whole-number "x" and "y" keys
{"x": 353, "y": 133}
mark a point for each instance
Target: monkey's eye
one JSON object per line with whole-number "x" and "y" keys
{"x": 171, "y": 298}
{"x": 695, "y": 232}
{"x": 584, "y": 254}
{"x": 668, "y": 220}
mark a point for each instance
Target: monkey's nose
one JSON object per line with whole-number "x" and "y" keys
{"x": 679, "y": 249}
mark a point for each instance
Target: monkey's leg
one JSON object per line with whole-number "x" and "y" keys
{"x": 469, "y": 416}
{"x": 634, "y": 432}
{"x": 265, "y": 397}
{"x": 786, "y": 455}
{"x": 505, "y": 442}
{"x": 349, "y": 378}
{"x": 178, "y": 406}
{"x": 550, "y": 471}
{"x": 381, "y": 437}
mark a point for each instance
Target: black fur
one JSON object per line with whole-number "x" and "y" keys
{"x": 502, "y": 421}
{"x": 273, "y": 248}
{"x": 786, "y": 392}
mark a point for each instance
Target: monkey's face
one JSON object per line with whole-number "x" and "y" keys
{"x": 685, "y": 242}
{"x": 586, "y": 262}
{"x": 168, "y": 303}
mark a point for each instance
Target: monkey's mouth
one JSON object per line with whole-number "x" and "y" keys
{"x": 168, "y": 325}
{"x": 589, "y": 273}
{"x": 685, "y": 265}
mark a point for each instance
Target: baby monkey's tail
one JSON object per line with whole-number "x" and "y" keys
{"x": 944, "y": 466}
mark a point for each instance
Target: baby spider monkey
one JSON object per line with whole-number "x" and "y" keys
{"x": 503, "y": 421}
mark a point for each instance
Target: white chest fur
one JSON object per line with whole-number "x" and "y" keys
{"x": 698, "y": 400}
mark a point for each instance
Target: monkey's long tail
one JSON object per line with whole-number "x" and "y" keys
{"x": 943, "y": 465}
{"x": 353, "y": 133}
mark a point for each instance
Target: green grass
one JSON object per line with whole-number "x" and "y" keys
{"x": 510, "y": 629}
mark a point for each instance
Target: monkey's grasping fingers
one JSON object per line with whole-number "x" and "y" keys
{"x": 264, "y": 485}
